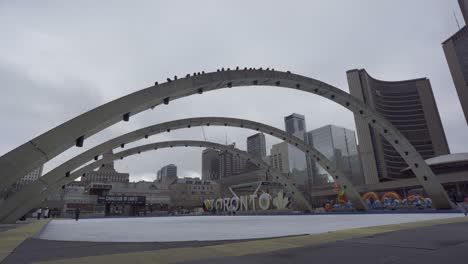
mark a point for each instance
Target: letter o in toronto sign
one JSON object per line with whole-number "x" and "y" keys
{"x": 234, "y": 204}
{"x": 264, "y": 201}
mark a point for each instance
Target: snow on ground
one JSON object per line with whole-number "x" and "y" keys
{"x": 205, "y": 228}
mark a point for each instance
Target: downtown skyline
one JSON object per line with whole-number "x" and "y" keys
{"x": 52, "y": 76}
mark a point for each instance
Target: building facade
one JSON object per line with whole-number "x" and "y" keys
{"x": 167, "y": 171}
{"x": 191, "y": 192}
{"x": 410, "y": 106}
{"x": 456, "y": 53}
{"x": 230, "y": 164}
{"x": 106, "y": 173}
{"x": 290, "y": 160}
{"x": 339, "y": 145}
{"x": 298, "y": 163}
{"x": 295, "y": 125}
{"x": 210, "y": 164}
{"x": 256, "y": 145}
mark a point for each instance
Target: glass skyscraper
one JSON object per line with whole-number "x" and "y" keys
{"x": 256, "y": 145}
{"x": 167, "y": 171}
{"x": 339, "y": 145}
{"x": 295, "y": 124}
{"x": 288, "y": 158}
{"x": 210, "y": 164}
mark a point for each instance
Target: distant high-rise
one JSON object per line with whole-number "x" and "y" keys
{"x": 411, "y": 108}
{"x": 167, "y": 171}
{"x": 298, "y": 165}
{"x": 230, "y": 164}
{"x": 295, "y": 124}
{"x": 289, "y": 159}
{"x": 210, "y": 164}
{"x": 339, "y": 145}
{"x": 456, "y": 53}
{"x": 256, "y": 145}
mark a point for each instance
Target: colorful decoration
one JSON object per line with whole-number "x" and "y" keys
{"x": 391, "y": 195}
{"x": 207, "y": 205}
{"x": 415, "y": 197}
{"x": 369, "y": 195}
{"x": 392, "y": 200}
{"x": 342, "y": 199}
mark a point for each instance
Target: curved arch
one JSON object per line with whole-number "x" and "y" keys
{"x": 10, "y": 211}
{"x": 32, "y": 154}
{"x": 143, "y": 133}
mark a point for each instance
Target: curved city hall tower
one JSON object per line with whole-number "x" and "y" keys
{"x": 456, "y": 53}
{"x": 408, "y": 105}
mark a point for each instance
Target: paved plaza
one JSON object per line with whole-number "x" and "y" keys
{"x": 402, "y": 238}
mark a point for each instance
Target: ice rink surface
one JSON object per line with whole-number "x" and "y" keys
{"x": 206, "y": 228}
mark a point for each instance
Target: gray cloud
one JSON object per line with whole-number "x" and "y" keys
{"x": 58, "y": 60}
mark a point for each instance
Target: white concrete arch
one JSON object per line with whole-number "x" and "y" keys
{"x": 39, "y": 150}
{"x": 21, "y": 202}
{"x": 74, "y": 163}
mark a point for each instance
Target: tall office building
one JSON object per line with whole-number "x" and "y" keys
{"x": 256, "y": 145}
{"x": 411, "y": 108}
{"x": 295, "y": 124}
{"x": 290, "y": 160}
{"x": 456, "y": 53}
{"x": 106, "y": 173}
{"x": 339, "y": 145}
{"x": 210, "y": 164}
{"x": 230, "y": 164}
{"x": 167, "y": 171}
{"x": 300, "y": 165}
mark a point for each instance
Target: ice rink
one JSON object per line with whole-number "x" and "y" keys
{"x": 205, "y": 228}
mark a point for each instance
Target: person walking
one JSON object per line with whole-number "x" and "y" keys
{"x": 38, "y": 213}
{"x": 464, "y": 206}
{"x": 459, "y": 201}
{"x": 77, "y": 214}
{"x": 46, "y": 212}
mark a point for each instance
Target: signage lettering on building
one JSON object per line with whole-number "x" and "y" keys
{"x": 115, "y": 199}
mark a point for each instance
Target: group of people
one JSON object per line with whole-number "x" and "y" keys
{"x": 47, "y": 213}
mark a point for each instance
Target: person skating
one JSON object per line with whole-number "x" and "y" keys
{"x": 77, "y": 214}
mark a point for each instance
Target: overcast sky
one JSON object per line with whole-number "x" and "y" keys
{"x": 59, "y": 59}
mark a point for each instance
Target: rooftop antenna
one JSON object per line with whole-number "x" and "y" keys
{"x": 456, "y": 20}
{"x": 225, "y": 135}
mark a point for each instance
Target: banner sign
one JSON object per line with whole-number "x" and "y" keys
{"x": 119, "y": 199}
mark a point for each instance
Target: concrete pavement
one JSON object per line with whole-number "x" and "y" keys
{"x": 431, "y": 241}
